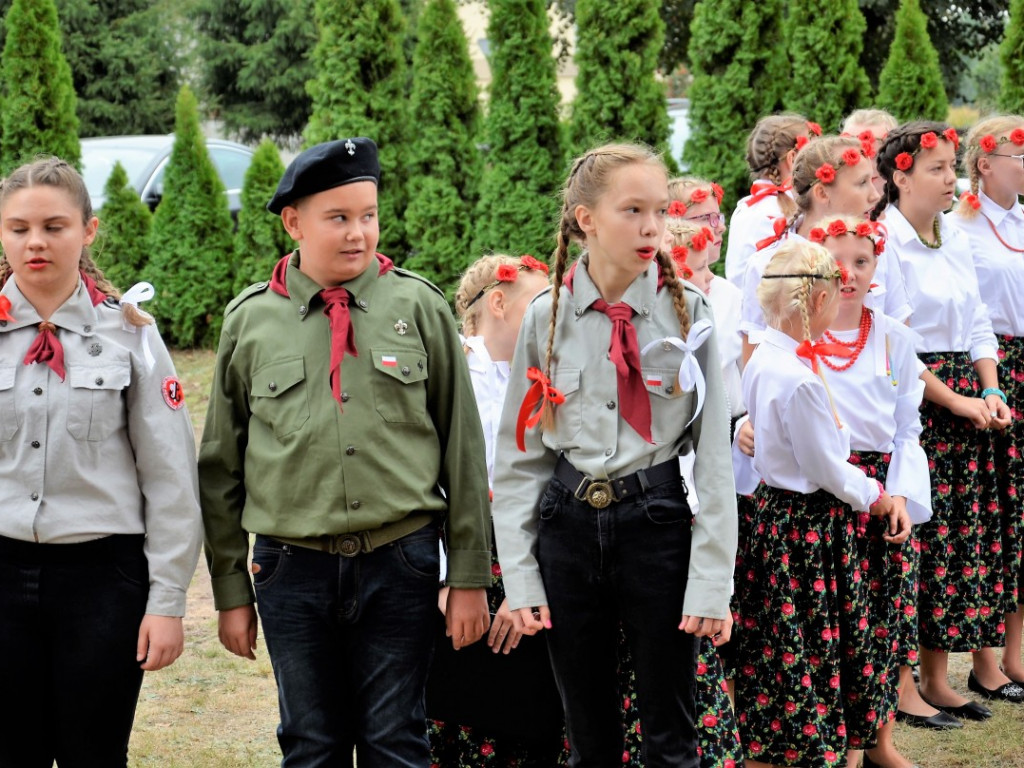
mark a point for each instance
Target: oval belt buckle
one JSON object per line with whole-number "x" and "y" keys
{"x": 599, "y": 494}
{"x": 349, "y": 545}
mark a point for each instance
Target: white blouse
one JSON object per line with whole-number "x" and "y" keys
{"x": 799, "y": 446}
{"x": 942, "y": 283}
{"x": 878, "y": 399}
{"x": 748, "y": 224}
{"x": 725, "y": 299}
{"x": 490, "y": 380}
{"x": 1000, "y": 270}
{"x": 752, "y": 321}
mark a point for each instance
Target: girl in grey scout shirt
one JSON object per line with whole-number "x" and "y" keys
{"x": 592, "y": 523}
{"x": 99, "y": 516}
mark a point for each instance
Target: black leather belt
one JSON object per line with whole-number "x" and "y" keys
{"x": 600, "y": 493}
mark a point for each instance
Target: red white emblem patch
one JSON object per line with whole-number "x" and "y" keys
{"x": 174, "y": 394}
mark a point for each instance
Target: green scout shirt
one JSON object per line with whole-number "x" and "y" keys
{"x": 280, "y": 457}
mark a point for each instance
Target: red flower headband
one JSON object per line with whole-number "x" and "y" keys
{"x": 905, "y": 160}
{"x": 679, "y": 254}
{"x": 989, "y": 143}
{"x": 812, "y": 128}
{"x": 867, "y": 141}
{"x": 826, "y": 172}
{"x": 509, "y": 273}
{"x": 677, "y": 208}
{"x": 869, "y": 230}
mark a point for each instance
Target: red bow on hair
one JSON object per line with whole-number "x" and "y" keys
{"x": 762, "y": 189}
{"x": 812, "y": 352}
{"x": 779, "y": 226}
{"x": 535, "y": 401}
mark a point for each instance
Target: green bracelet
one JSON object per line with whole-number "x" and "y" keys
{"x": 993, "y": 391}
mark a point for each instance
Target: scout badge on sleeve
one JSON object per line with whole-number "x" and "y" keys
{"x": 174, "y": 394}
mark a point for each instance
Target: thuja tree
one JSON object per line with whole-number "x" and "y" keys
{"x": 261, "y": 239}
{"x": 38, "y": 102}
{"x": 1011, "y": 53}
{"x": 525, "y": 163}
{"x": 359, "y": 90}
{"x": 825, "y": 42}
{"x": 190, "y": 243}
{"x": 740, "y": 72}
{"x": 443, "y": 155}
{"x": 121, "y": 248}
{"x": 910, "y": 85}
{"x": 618, "y": 97}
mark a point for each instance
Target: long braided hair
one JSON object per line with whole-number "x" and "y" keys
{"x": 767, "y": 145}
{"x": 999, "y": 127}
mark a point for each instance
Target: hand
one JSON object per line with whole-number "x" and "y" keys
{"x": 530, "y": 621}
{"x": 883, "y": 506}
{"x": 503, "y": 631}
{"x": 161, "y": 641}
{"x": 899, "y": 522}
{"x": 466, "y": 617}
{"x": 745, "y": 438}
{"x": 1003, "y": 415}
{"x": 442, "y": 599}
{"x": 974, "y": 409}
{"x": 237, "y": 629}
{"x": 719, "y": 630}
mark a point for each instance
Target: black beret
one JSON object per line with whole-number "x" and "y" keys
{"x": 326, "y": 166}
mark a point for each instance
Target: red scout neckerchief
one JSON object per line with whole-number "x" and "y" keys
{"x": 762, "y": 189}
{"x": 336, "y": 298}
{"x": 46, "y": 348}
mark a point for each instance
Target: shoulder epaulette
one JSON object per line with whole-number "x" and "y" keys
{"x": 407, "y": 273}
{"x": 252, "y": 290}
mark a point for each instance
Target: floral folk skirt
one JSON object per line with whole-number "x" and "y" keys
{"x": 1009, "y": 456}
{"x": 963, "y": 593}
{"x": 729, "y": 653}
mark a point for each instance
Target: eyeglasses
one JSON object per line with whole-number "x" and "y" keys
{"x": 1018, "y": 158}
{"x": 713, "y": 220}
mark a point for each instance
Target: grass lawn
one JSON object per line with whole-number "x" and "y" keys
{"x": 214, "y": 710}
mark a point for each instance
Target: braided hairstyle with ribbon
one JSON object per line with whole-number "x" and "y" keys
{"x": 767, "y": 145}
{"x": 997, "y": 126}
{"x": 480, "y": 273}
{"x": 588, "y": 180}
{"x": 903, "y": 139}
{"x": 828, "y": 149}
{"x": 48, "y": 171}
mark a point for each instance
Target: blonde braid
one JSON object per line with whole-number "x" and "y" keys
{"x": 998, "y": 126}
{"x": 5, "y": 269}
{"x": 668, "y": 272}
{"x": 560, "y": 257}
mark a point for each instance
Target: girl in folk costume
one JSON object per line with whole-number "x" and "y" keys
{"x": 618, "y": 364}
{"x": 803, "y": 648}
{"x": 490, "y": 302}
{"x": 993, "y": 219}
{"x": 963, "y": 592}
{"x": 100, "y": 530}
{"x": 878, "y": 391}
{"x": 772, "y": 148}
{"x": 870, "y": 126}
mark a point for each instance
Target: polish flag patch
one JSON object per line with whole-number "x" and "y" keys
{"x": 389, "y": 360}
{"x": 653, "y": 380}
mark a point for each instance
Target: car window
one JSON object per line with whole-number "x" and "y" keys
{"x": 98, "y": 164}
{"x": 231, "y": 165}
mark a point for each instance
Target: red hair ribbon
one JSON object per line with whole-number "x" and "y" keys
{"x": 812, "y": 352}
{"x": 762, "y": 189}
{"x": 535, "y": 401}
{"x": 779, "y": 228}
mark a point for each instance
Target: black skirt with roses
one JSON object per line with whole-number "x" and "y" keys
{"x": 729, "y": 653}
{"x": 1009, "y": 455}
{"x": 803, "y": 648}
{"x": 962, "y": 594}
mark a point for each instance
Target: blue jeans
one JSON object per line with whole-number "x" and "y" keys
{"x": 626, "y": 563}
{"x": 350, "y": 640}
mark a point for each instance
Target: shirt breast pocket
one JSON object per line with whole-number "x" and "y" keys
{"x": 568, "y": 415}
{"x": 8, "y": 404}
{"x": 670, "y": 408}
{"x": 96, "y": 407}
{"x": 278, "y": 396}
{"x": 399, "y": 388}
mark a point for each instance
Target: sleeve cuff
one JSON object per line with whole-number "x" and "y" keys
{"x": 165, "y": 602}
{"x": 984, "y": 352}
{"x": 524, "y": 589}
{"x": 469, "y": 569}
{"x": 708, "y": 599}
{"x": 232, "y": 590}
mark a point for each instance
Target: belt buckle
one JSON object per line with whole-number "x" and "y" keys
{"x": 346, "y": 545}
{"x": 599, "y": 494}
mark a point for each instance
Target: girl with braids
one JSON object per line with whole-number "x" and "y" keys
{"x": 993, "y": 219}
{"x": 100, "y": 531}
{"x": 803, "y": 648}
{"x": 490, "y": 301}
{"x": 772, "y": 148}
{"x": 963, "y": 591}
{"x": 878, "y": 391}
{"x": 618, "y": 367}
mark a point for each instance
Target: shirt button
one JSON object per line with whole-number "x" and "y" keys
{"x": 302, "y": 309}
{"x": 357, "y": 504}
{"x": 607, "y": 451}
{"x": 272, "y": 386}
{"x": 670, "y": 389}
{"x": 35, "y": 443}
{"x": 99, "y": 381}
{"x": 350, "y": 450}
{"x": 645, "y": 312}
{"x": 579, "y": 311}
{"x": 38, "y": 391}
{"x": 666, "y": 346}
{"x": 87, "y": 328}
{"x": 405, "y": 370}
{"x": 362, "y": 303}
{"x": 611, "y": 405}
{"x": 35, "y": 497}
{"x": 344, "y": 397}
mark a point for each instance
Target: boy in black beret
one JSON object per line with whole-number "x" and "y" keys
{"x": 342, "y": 431}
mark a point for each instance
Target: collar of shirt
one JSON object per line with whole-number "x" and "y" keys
{"x": 903, "y": 232}
{"x": 777, "y": 338}
{"x": 479, "y": 359}
{"x": 996, "y": 213}
{"x": 640, "y": 294}
{"x": 302, "y": 289}
{"x": 77, "y": 314}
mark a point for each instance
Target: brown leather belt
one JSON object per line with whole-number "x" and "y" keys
{"x": 600, "y": 493}
{"x": 361, "y": 542}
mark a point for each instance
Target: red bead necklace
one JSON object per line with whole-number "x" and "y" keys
{"x": 1000, "y": 238}
{"x": 857, "y": 345}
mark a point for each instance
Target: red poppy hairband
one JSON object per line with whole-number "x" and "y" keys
{"x": 869, "y": 230}
{"x": 677, "y": 208}
{"x": 508, "y": 273}
{"x": 826, "y": 172}
{"x": 989, "y": 143}
{"x": 801, "y": 141}
{"x": 867, "y": 141}
{"x": 929, "y": 140}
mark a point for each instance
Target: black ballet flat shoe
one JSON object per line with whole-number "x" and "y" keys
{"x": 972, "y": 710}
{"x": 940, "y": 721}
{"x": 1009, "y": 692}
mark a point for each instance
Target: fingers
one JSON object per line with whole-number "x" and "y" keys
{"x": 511, "y": 642}
{"x": 700, "y": 626}
{"x": 530, "y": 621}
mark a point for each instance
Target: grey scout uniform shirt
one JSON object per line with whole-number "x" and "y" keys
{"x": 279, "y": 456}
{"x": 102, "y": 452}
{"x": 590, "y": 430}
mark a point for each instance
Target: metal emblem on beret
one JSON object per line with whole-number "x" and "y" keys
{"x": 401, "y": 326}
{"x": 95, "y": 349}
{"x": 350, "y": 147}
